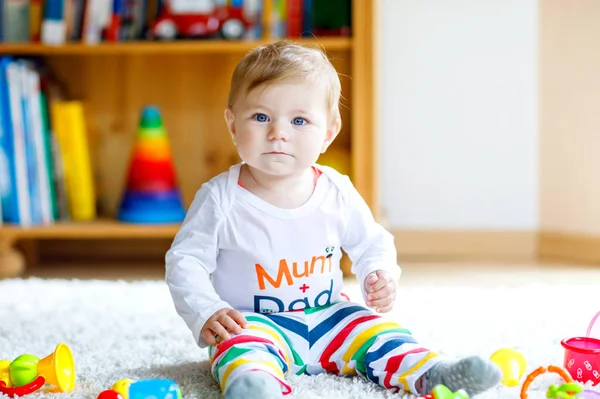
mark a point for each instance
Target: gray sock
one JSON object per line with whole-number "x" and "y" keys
{"x": 474, "y": 374}
{"x": 254, "y": 385}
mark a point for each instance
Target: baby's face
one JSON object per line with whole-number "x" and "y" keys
{"x": 281, "y": 128}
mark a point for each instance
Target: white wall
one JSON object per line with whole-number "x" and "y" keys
{"x": 459, "y": 114}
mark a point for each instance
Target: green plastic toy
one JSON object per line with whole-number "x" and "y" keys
{"x": 24, "y": 370}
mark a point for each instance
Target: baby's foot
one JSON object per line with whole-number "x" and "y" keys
{"x": 254, "y": 385}
{"x": 474, "y": 374}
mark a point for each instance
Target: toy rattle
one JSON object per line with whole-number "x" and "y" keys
{"x": 153, "y": 388}
{"x": 27, "y": 373}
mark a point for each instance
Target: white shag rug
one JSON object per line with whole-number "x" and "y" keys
{"x": 120, "y": 329}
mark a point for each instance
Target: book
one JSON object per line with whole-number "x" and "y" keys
{"x": 15, "y": 201}
{"x": 69, "y": 126}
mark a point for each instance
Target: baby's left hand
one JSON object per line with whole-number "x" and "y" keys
{"x": 381, "y": 291}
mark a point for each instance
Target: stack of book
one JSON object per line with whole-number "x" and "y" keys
{"x": 45, "y": 168}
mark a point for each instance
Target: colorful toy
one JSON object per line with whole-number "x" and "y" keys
{"x": 200, "y": 18}
{"x": 152, "y": 195}
{"x": 568, "y": 390}
{"x": 157, "y": 388}
{"x": 511, "y": 363}
{"x": 122, "y": 387}
{"x": 571, "y": 390}
{"x": 443, "y": 392}
{"x": 582, "y": 356}
{"x": 541, "y": 370}
{"x": 153, "y": 388}
{"x": 27, "y": 373}
{"x": 110, "y": 394}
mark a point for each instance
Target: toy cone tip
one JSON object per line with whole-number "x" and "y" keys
{"x": 150, "y": 117}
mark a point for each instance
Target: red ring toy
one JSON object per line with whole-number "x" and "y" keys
{"x": 22, "y": 390}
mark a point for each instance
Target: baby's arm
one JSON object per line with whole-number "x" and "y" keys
{"x": 368, "y": 244}
{"x": 191, "y": 260}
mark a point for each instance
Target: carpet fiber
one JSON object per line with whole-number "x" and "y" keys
{"x": 118, "y": 330}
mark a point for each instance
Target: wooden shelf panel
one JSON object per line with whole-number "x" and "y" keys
{"x": 153, "y": 47}
{"x": 98, "y": 229}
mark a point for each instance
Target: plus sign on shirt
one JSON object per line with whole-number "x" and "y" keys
{"x": 236, "y": 250}
{"x": 304, "y": 288}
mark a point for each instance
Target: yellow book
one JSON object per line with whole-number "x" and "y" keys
{"x": 69, "y": 126}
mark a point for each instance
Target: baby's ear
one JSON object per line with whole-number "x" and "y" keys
{"x": 230, "y": 120}
{"x": 332, "y": 133}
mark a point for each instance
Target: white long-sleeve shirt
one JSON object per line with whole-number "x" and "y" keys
{"x": 235, "y": 250}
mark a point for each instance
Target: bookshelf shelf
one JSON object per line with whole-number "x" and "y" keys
{"x": 153, "y": 47}
{"x": 97, "y": 229}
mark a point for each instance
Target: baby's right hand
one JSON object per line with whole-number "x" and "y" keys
{"x": 221, "y": 323}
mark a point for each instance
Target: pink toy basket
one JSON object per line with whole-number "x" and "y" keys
{"x": 582, "y": 356}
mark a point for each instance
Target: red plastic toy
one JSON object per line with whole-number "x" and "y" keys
{"x": 582, "y": 356}
{"x": 22, "y": 390}
{"x": 199, "y": 18}
{"x": 109, "y": 394}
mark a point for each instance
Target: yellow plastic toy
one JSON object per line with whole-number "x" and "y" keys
{"x": 512, "y": 364}
{"x": 5, "y": 373}
{"x": 59, "y": 368}
{"x": 122, "y": 387}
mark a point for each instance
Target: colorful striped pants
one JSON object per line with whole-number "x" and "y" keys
{"x": 343, "y": 338}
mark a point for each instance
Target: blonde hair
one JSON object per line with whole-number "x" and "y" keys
{"x": 283, "y": 60}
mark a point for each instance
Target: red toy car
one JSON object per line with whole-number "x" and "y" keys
{"x": 199, "y": 18}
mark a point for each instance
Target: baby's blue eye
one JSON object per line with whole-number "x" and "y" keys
{"x": 299, "y": 121}
{"x": 261, "y": 117}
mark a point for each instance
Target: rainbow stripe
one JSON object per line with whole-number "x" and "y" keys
{"x": 345, "y": 339}
{"x": 153, "y": 148}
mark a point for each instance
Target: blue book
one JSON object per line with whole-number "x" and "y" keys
{"x": 53, "y": 22}
{"x": 15, "y": 193}
{"x": 29, "y": 125}
{"x": 8, "y": 195}
{"x": 5, "y": 184}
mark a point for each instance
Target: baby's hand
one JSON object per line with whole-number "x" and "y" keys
{"x": 217, "y": 327}
{"x": 381, "y": 290}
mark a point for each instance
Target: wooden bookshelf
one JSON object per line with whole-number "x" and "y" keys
{"x": 188, "y": 81}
